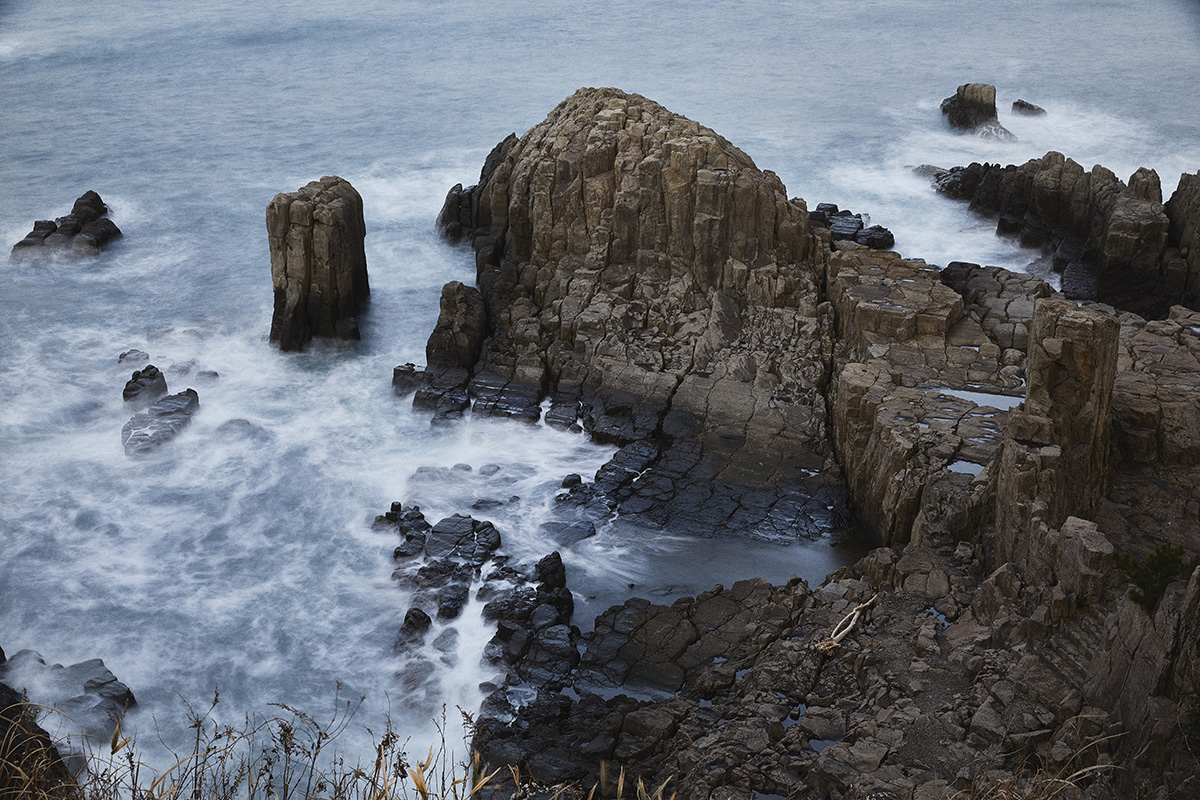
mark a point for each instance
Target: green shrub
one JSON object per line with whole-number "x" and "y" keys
{"x": 1152, "y": 578}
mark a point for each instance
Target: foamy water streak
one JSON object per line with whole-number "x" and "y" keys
{"x": 243, "y": 556}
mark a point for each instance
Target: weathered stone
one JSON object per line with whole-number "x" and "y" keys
{"x": 973, "y": 109}
{"x": 83, "y": 232}
{"x": 1027, "y": 109}
{"x": 318, "y": 264}
{"x": 146, "y": 385}
{"x": 159, "y": 424}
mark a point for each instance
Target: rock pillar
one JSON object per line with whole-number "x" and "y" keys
{"x": 1054, "y": 460}
{"x": 318, "y": 264}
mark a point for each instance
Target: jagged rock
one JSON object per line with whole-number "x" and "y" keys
{"x": 318, "y": 264}
{"x": 416, "y": 623}
{"x": 159, "y": 424}
{"x": 452, "y": 351}
{"x": 406, "y": 379}
{"x": 463, "y": 215}
{"x": 643, "y": 273}
{"x": 146, "y": 385}
{"x": 1182, "y": 263}
{"x": 1027, "y": 109}
{"x": 1109, "y": 238}
{"x": 973, "y": 109}
{"x": 82, "y": 232}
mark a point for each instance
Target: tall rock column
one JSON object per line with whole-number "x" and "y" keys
{"x": 1054, "y": 460}
{"x": 318, "y": 264}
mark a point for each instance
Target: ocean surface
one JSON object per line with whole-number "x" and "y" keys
{"x": 248, "y": 561}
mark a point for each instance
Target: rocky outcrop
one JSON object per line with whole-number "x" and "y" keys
{"x": 973, "y": 109}
{"x": 1181, "y": 262}
{"x": 318, "y": 264}
{"x": 637, "y": 270}
{"x": 83, "y": 232}
{"x": 1027, "y": 109}
{"x": 643, "y": 274}
{"x": 148, "y": 430}
{"x": 846, "y": 226}
{"x": 145, "y": 385}
{"x": 1108, "y": 239}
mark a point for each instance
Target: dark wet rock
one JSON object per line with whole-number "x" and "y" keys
{"x": 83, "y": 232}
{"x": 550, "y": 572}
{"x": 568, "y": 533}
{"x": 452, "y": 599}
{"x": 875, "y": 237}
{"x": 512, "y": 605}
{"x": 412, "y": 632}
{"x": 406, "y": 379}
{"x": 146, "y": 385}
{"x": 148, "y": 430}
{"x": 571, "y": 481}
{"x": 973, "y": 109}
{"x": 1027, "y": 109}
{"x": 1103, "y": 232}
{"x": 318, "y": 263}
{"x": 134, "y": 355}
{"x": 844, "y": 225}
{"x": 89, "y": 697}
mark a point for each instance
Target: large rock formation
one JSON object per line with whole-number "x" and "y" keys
{"x": 83, "y": 232}
{"x": 318, "y": 264}
{"x": 973, "y": 109}
{"x": 1005, "y": 443}
{"x": 641, "y": 272}
{"x": 1112, "y": 241}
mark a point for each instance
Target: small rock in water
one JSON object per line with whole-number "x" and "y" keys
{"x": 160, "y": 423}
{"x": 146, "y": 385}
{"x": 82, "y": 232}
{"x": 572, "y": 480}
{"x": 1027, "y": 109}
{"x": 133, "y": 355}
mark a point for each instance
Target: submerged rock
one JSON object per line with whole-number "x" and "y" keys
{"x": 1025, "y": 108}
{"x": 318, "y": 264}
{"x": 159, "y": 424}
{"x": 83, "y": 232}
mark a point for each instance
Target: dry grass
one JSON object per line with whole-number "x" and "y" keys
{"x": 289, "y": 756}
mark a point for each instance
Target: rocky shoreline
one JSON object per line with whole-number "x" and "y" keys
{"x": 1000, "y": 441}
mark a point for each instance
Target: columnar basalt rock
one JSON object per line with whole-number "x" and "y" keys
{"x": 83, "y": 232}
{"x": 1182, "y": 259}
{"x": 1109, "y": 239}
{"x": 1054, "y": 461}
{"x": 973, "y": 109}
{"x": 318, "y": 262}
{"x": 646, "y": 276}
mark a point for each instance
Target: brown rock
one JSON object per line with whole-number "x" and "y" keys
{"x": 318, "y": 264}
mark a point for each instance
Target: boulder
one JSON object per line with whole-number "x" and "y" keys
{"x": 146, "y": 385}
{"x": 150, "y": 429}
{"x": 318, "y": 264}
{"x": 1027, "y": 109}
{"x": 83, "y": 232}
{"x": 973, "y": 109}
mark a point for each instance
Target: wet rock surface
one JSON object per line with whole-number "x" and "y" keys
{"x": 83, "y": 232}
{"x": 148, "y": 430}
{"x": 972, "y": 108}
{"x": 1001, "y": 440}
{"x": 1112, "y": 241}
{"x": 318, "y": 264}
{"x": 89, "y": 698}
{"x": 145, "y": 385}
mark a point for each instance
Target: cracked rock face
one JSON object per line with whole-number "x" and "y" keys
{"x": 318, "y": 264}
{"x": 646, "y": 276}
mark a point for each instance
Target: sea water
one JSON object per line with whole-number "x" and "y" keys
{"x": 242, "y": 556}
